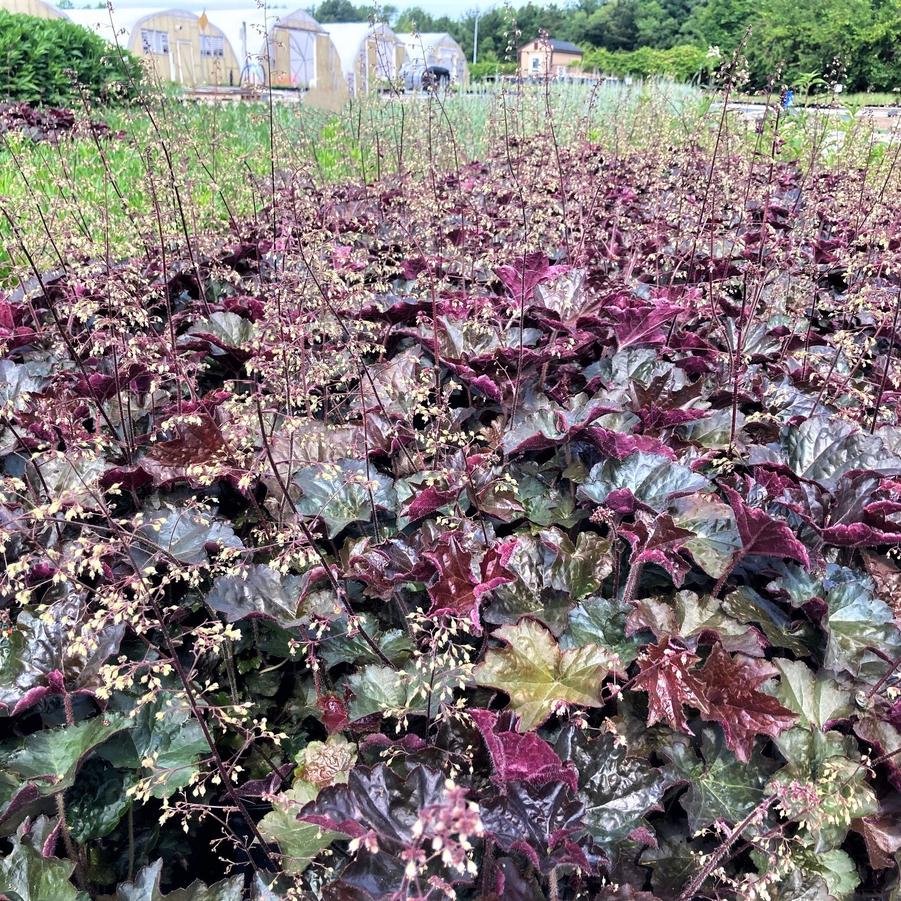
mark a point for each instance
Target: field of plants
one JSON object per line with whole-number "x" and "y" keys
{"x": 100, "y": 200}
{"x": 478, "y": 498}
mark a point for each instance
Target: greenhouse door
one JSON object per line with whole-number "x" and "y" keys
{"x": 384, "y": 59}
{"x": 184, "y": 62}
{"x": 303, "y": 61}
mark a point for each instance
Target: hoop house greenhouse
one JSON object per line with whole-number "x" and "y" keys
{"x": 293, "y": 46}
{"x": 371, "y": 55}
{"x": 437, "y": 49}
{"x": 32, "y": 8}
{"x": 179, "y": 45}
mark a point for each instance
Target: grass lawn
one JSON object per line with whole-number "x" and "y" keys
{"x": 852, "y": 101}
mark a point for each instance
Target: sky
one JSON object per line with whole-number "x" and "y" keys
{"x": 452, "y": 8}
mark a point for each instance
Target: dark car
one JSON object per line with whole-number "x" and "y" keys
{"x": 435, "y": 77}
{"x": 427, "y": 78}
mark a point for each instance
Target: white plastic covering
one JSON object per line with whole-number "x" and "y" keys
{"x": 35, "y": 8}
{"x": 350, "y": 39}
{"x": 246, "y": 29}
{"x": 123, "y": 21}
{"x": 435, "y": 48}
{"x": 132, "y": 27}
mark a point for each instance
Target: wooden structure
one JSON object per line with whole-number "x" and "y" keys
{"x": 37, "y": 8}
{"x": 289, "y": 50}
{"x": 437, "y": 48}
{"x": 371, "y": 55}
{"x": 547, "y": 58}
{"x": 178, "y": 46}
{"x": 225, "y": 50}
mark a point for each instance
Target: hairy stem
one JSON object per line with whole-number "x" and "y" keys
{"x": 198, "y": 714}
{"x": 691, "y": 890}
{"x": 71, "y": 850}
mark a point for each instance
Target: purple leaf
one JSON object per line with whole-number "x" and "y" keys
{"x": 455, "y": 589}
{"x": 543, "y": 822}
{"x": 376, "y": 800}
{"x": 428, "y": 501}
{"x": 645, "y": 325}
{"x": 620, "y": 445}
{"x": 667, "y": 673}
{"x": 488, "y": 387}
{"x": 520, "y": 756}
{"x": 731, "y": 699}
{"x": 658, "y": 540}
{"x": 859, "y": 534}
{"x": 654, "y": 418}
{"x": 761, "y": 535}
{"x": 526, "y": 273}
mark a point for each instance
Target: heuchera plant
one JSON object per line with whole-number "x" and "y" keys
{"x": 48, "y": 123}
{"x": 525, "y": 531}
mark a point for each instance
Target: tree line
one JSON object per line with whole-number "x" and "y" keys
{"x": 792, "y": 42}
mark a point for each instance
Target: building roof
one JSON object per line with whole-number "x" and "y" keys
{"x": 123, "y": 20}
{"x": 560, "y": 46}
{"x": 418, "y": 45}
{"x": 245, "y": 29}
{"x": 51, "y": 11}
{"x": 297, "y": 18}
{"x": 127, "y": 19}
{"x": 349, "y": 37}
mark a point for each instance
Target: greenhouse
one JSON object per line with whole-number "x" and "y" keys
{"x": 370, "y": 55}
{"x": 32, "y": 8}
{"x": 293, "y": 46}
{"x": 436, "y": 49}
{"x": 179, "y": 45}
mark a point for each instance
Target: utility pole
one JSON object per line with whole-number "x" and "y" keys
{"x": 475, "y": 40}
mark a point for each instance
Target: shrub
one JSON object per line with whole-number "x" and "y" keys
{"x": 682, "y": 62}
{"x": 47, "y": 123}
{"x": 52, "y": 61}
{"x": 483, "y": 71}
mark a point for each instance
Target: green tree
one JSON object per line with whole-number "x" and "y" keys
{"x": 417, "y": 19}
{"x": 330, "y": 11}
{"x": 337, "y": 11}
{"x": 629, "y": 24}
{"x": 879, "y": 41}
{"x": 683, "y": 62}
{"x": 720, "y": 23}
{"x": 852, "y": 41}
{"x": 614, "y": 26}
{"x": 502, "y": 30}
{"x": 793, "y": 37}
